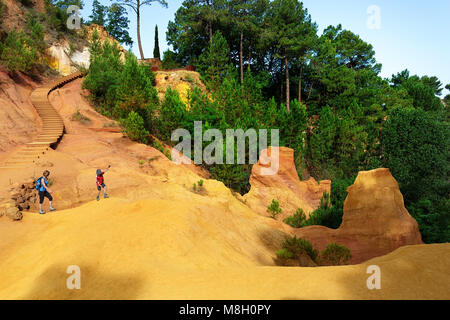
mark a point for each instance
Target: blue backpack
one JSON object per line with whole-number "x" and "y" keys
{"x": 38, "y": 184}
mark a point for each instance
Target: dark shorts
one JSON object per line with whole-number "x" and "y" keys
{"x": 100, "y": 187}
{"x": 43, "y": 194}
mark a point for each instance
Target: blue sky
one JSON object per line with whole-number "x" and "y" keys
{"x": 413, "y": 34}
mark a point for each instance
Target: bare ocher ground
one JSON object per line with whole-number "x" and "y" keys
{"x": 156, "y": 239}
{"x": 156, "y": 249}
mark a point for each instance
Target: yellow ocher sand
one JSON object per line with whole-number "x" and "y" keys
{"x": 158, "y": 249}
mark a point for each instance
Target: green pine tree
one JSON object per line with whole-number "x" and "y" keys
{"x": 98, "y": 13}
{"x": 214, "y": 63}
{"x": 118, "y": 24}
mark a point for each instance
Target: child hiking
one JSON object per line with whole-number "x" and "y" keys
{"x": 44, "y": 191}
{"x": 101, "y": 183}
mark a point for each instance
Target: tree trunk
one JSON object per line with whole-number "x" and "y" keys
{"x": 241, "y": 57}
{"x": 139, "y": 31}
{"x": 310, "y": 90}
{"x": 281, "y": 86}
{"x": 286, "y": 66}
{"x": 210, "y": 33}
{"x": 300, "y": 86}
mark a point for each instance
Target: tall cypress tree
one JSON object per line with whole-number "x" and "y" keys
{"x": 156, "y": 53}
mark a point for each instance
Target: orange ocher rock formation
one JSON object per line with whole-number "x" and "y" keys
{"x": 375, "y": 220}
{"x": 284, "y": 186}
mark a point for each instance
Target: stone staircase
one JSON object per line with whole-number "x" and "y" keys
{"x": 52, "y": 126}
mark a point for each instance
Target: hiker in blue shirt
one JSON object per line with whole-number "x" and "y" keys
{"x": 44, "y": 191}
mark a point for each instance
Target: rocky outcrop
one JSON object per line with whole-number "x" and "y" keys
{"x": 67, "y": 60}
{"x": 182, "y": 81}
{"x": 285, "y": 187}
{"x": 11, "y": 212}
{"x": 24, "y": 195}
{"x": 375, "y": 220}
{"x": 88, "y": 31}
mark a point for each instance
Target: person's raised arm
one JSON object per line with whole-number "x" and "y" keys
{"x": 107, "y": 168}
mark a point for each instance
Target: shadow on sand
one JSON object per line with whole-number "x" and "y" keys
{"x": 95, "y": 284}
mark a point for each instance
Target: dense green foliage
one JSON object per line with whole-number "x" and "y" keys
{"x": 98, "y": 15}
{"x": 265, "y": 67}
{"x": 169, "y": 60}
{"x": 447, "y": 98}
{"x": 118, "y": 24}
{"x": 57, "y": 15}
{"x": 16, "y": 52}
{"x": 294, "y": 247}
{"x": 115, "y": 20}
{"x": 23, "y": 50}
{"x": 297, "y": 220}
{"x": 120, "y": 87}
{"x": 335, "y": 255}
{"x": 415, "y": 147}
{"x": 134, "y": 127}
{"x": 330, "y": 211}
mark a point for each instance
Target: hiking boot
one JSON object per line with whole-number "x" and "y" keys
{"x": 41, "y": 212}
{"x": 106, "y": 196}
{"x": 98, "y": 198}
{"x": 52, "y": 209}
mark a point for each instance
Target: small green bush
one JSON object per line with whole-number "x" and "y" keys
{"x": 284, "y": 254}
{"x": 199, "y": 188}
{"x": 335, "y": 255}
{"x": 78, "y": 116}
{"x": 297, "y": 220}
{"x": 294, "y": 247}
{"x": 274, "y": 208}
{"x": 168, "y": 154}
{"x": 157, "y": 145}
{"x": 134, "y": 127}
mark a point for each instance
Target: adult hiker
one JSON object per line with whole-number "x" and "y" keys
{"x": 44, "y": 191}
{"x": 101, "y": 183}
